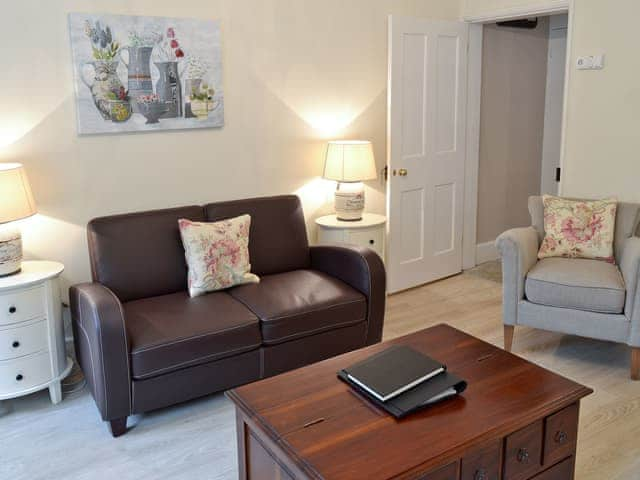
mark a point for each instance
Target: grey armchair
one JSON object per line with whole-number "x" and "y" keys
{"x": 590, "y": 298}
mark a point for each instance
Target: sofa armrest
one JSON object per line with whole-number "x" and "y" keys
{"x": 630, "y": 268}
{"x": 362, "y": 269}
{"x": 101, "y": 347}
{"x": 518, "y": 248}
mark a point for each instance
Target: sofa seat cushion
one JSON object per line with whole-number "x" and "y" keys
{"x": 301, "y": 303}
{"x": 175, "y": 331}
{"x": 581, "y": 284}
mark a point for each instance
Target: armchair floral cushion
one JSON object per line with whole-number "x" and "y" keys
{"x": 578, "y": 228}
{"x": 217, "y": 254}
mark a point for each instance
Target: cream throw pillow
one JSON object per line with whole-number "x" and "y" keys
{"x": 217, "y": 254}
{"x": 578, "y": 228}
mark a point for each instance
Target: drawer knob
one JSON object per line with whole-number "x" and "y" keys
{"x": 15, "y": 344}
{"x": 561, "y": 437}
{"x": 19, "y": 377}
{"x": 481, "y": 475}
{"x": 371, "y": 242}
{"x": 523, "y": 455}
{"x": 12, "y": 309}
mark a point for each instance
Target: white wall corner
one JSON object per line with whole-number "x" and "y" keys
{"x": 486, "y": 252}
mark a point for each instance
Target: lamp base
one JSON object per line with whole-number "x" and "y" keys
{"x": 349, "y": 201}
{"x": 10, "y": 251}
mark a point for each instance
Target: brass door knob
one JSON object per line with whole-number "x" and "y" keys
{"x": 402, "y": 172}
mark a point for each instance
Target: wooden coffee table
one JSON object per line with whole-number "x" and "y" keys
{"x": 515, "y": 421}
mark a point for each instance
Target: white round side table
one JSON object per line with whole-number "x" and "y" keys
{"x": 32, "y": 350}
{"x": 368, "y": 232}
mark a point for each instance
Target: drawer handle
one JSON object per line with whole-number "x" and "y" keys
{"x": 15, "y": 344}
{"x": 12, "y": 309}
{"x": 561, "y": 437}
{"x": 523, "y": 455}
{"x": 481, "y": 475}
{"x": 19, "y": 377}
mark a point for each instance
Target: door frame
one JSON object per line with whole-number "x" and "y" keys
{"x": 474, "y": 85}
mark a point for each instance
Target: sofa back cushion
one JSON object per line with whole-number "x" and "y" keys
{"x": 278, "y": 235}
{"x": 139, "y": 255}
{"x": 627, "y": 218}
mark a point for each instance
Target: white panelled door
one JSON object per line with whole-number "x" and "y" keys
{"x": 426, "y": 142}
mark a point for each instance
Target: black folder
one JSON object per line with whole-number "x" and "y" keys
{"x": 393, "y": 371}
{"x": 440, "y": 387}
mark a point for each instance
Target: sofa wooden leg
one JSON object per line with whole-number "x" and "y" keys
{"x": 508, "y": 337}
{"x": 635, "y": 363}
{"x": 118, "y": 426}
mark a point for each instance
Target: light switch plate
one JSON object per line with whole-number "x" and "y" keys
{"x": 590, "y": 62}
{"x": 598, "y": 62}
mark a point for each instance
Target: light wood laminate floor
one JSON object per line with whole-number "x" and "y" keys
{"x": 196, "y": 440}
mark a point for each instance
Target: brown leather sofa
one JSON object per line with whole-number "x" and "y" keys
{"x": 143, "y": 343}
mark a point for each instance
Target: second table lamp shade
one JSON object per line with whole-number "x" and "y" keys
{"x": 349, "y": 162}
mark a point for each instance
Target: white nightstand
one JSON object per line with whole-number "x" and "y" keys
{"x": 32, "y": 351}
{"x": 368, "y": 232}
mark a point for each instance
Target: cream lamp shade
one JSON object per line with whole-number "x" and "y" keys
{"x": 16, "y": 202}
{"x": 349, "y": 162}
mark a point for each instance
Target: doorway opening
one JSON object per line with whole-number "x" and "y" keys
{"x": 521, "y": 113}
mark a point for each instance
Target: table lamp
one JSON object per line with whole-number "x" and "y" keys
{"x": 16, "y": 202}
{"x": 349, "y": 162}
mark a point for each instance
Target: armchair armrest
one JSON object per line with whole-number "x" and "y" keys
{"x": 518, "y": 248}
{"x": 630, "y": 268}
{"x": 362, "y": 269}
{"x": 101, "y": 347}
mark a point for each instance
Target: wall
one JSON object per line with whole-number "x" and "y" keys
{"x": 603, "y": 130}
{"x": 514, "y": 70}
{"x": 296, "y": 72}
{"x": 601, "y": 139}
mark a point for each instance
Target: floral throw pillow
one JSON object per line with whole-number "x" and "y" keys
{"x": 217, "y": 254}
{"x": 578, "y": 228}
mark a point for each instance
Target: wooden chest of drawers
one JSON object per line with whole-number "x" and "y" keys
{"x": 515, "y": 421}
{"x": 545, "y": 449}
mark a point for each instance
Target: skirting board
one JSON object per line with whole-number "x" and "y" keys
{"x": 486, "y": 252}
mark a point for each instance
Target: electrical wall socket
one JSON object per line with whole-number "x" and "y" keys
{"x": 590, "y": 62}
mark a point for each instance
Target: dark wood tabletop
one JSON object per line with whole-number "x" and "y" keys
{"x": 318, "y": 427}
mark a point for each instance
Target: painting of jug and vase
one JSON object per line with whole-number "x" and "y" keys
{"x": 135, "y": 73}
